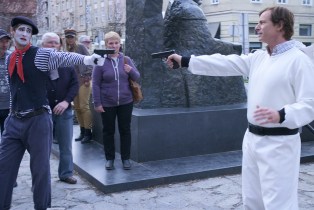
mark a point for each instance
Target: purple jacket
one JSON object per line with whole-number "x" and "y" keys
{"x": 110, "y": 85}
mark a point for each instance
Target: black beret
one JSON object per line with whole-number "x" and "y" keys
{"x": 24, "y": 20}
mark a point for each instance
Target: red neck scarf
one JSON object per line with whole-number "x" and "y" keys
{"x": 14, "y": 55}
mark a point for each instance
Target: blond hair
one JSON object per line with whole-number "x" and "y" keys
{"x": 112, "y": 35}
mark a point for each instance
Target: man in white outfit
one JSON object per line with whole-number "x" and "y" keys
{"x": 280, "y": 100}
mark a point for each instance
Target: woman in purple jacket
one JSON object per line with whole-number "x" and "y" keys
{"x": 113, "y": 98}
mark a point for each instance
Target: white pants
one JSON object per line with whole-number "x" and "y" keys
{"x": 270, "y": 172}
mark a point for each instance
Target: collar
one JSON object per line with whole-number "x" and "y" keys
{"x": 283, "y": 47}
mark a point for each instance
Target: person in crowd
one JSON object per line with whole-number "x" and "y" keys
{"x": 309, "y": 50}
{"x": 29, "y": 124}
{"x": 5, "y": 41}
{"x": 61, "y": 93}
{"x": 280, "y": 101}
{"x": 86, "y": 41}
{"x": 82, "y": 100}
{"x": 113, "y": 98}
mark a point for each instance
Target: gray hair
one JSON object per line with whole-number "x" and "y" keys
{"x": 83, "y": 38}
{"x": 49, "y": 35}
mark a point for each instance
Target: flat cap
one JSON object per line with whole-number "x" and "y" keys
{"x": 70, "y": 32}
{"x": 3, "y": 33}
{"x": 24, "y": 20}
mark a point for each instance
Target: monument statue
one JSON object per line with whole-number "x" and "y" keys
{"x": 185, "y": 30}
{"x": 179, "y": 108}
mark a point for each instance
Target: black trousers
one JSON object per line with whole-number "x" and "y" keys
{"x": 3, "y": 115}
{"x": 123, "y": 114}
{"x": 33, "y": 134}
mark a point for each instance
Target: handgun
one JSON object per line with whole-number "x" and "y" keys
{"x": 103, "y": 52}
{"x": 164, "y": 55}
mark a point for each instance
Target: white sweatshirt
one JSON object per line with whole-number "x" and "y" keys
{"x": 284, "y": 80}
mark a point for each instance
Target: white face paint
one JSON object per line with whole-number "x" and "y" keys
{"x": 22, "y": 35}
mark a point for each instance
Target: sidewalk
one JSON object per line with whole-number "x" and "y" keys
{"x": 219, "y": 193}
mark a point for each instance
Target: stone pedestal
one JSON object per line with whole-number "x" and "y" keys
{"x": 159, "y": 134}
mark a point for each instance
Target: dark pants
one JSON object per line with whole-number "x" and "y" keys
{"x": 123, "y": 113}
{"x": 3, "y": 115}
{"x": 34, "y": 135}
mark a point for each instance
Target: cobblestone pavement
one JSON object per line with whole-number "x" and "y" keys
{"x": 211, "y": 194}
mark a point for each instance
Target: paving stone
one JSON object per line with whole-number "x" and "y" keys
{"x": 218, "y": 193}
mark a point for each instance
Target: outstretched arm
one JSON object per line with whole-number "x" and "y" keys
{"x": 49, "y": 59}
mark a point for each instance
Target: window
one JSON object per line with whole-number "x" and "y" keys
{"x": 255, "y": 46}
{"x": 110, "y": 10}
{"x": 282, "y": 1}
{"x": 103, "y": 17}
{"x": 96, "y": 17}
{"x": 256, "y": 1}
{"x": 47, "y": 22}
{"x": 307, "y": 2}
{"x": 46, "y": 5}
{"x": 214, "y": 1}
{"x": 252, "y": 28}
{"x": 305, "y": 30}
{"x": 82, "y": 20}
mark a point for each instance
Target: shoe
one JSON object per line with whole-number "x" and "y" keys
{"x": 69, "y": 180}
{"x": 55, "y": 141}
{"x": 86, "y": 139}
{"x": 82, "y": 134}
{"x": 15, "y": 184}
{"x": 126, "y": 164}
{"x": 79, "y": 138}
{"x": 109, "y": 164}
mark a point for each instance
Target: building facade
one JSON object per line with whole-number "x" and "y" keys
{"x": 87, "y": 17}
{"x": 12, "y": 8}
{"x": 235, "y": 20}
{"x": 228, "y": 20}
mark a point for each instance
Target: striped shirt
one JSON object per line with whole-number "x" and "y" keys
{"x": 48, "y": 59}
{"x": 285, "y": 46}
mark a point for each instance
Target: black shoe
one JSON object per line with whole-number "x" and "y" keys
{"x": 69, "y": 180}
{"x": 109, "y": 164}
{"x": 82, "y": 134}
{"x": 79, "y": 138}
{"x": 126, "y": 164}
{"x": 86, "y": 139}
{"x": 15, "y": 184}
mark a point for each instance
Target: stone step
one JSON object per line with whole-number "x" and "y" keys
{"x": 89, "y": 161}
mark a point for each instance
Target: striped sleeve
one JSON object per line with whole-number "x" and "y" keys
{"x": 49, "y": 59}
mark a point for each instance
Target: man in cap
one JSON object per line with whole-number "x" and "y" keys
{"x": 29, "y": 124}
{"x": 85, "y": 40}
{"x": 81, "y": 101}
{"x": 5, "y": 41}
{"x": 61, "y": 93}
